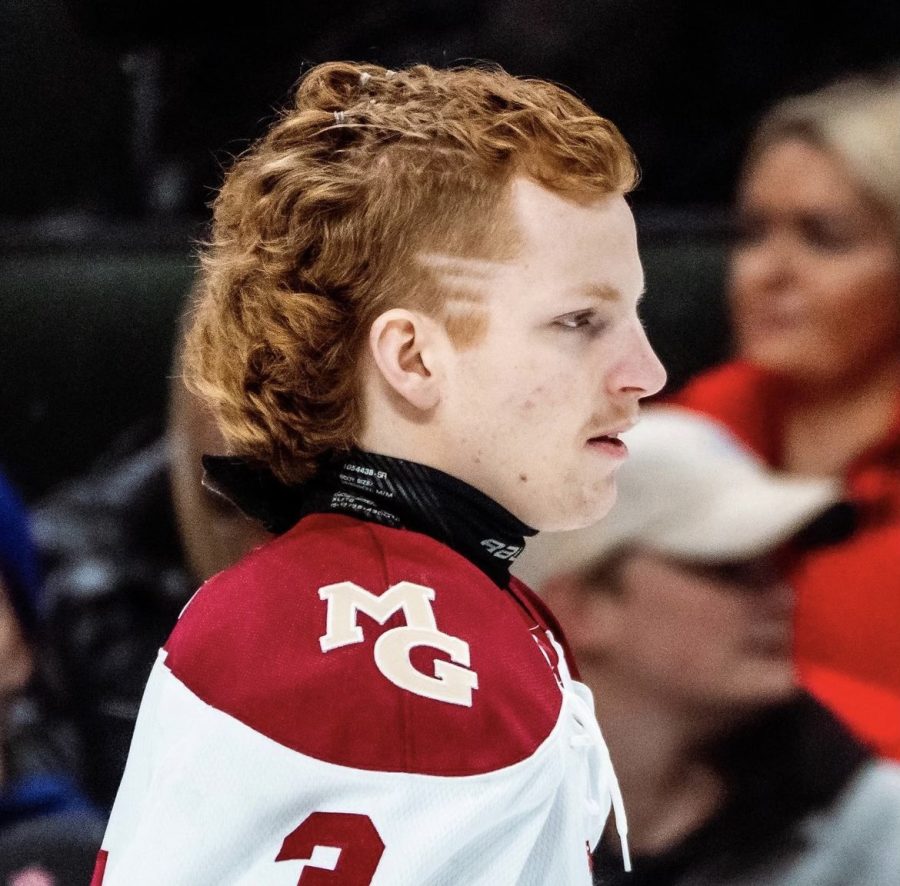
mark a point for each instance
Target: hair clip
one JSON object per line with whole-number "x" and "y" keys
{"x": 340, "y": 117}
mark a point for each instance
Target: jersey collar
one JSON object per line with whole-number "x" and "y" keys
{"x": 380, "y": 489}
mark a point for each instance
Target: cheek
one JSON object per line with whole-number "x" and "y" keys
{"x": 499, "y": 372}
{"x": 859, "y": 314}
{"x": 551, "y": 395}
{"x": 689, "y": 637}
{"x": 531, "y": 390}
{"x": 743, "y": 276}
{"x": 661, "y": 656}
{"x": 862, "y": 291}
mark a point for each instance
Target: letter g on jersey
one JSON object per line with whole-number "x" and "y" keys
{"x": 452, "y": 683}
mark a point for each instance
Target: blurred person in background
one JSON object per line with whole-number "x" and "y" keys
{"x": 815, "y": 389}
{"x": 49, "y": 833}
{"x": 125, "y": 548}
{"x": 680, "y": 621}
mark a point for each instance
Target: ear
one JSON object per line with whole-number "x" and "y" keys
{"x": 587, "y": 614}
{"x": 404, "y": 346}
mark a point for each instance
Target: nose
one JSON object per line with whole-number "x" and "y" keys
{"x": 640, "y": 373}
{"x": 772, "y": 599}
{"x": 764, "y": 266}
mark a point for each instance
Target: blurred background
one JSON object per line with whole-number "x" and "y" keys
{"x": 118, "y": 118}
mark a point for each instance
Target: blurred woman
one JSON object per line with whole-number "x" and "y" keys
{"x": 815, "y": 296}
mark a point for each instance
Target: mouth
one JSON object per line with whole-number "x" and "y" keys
{"x": 772, "y": 640}
{"x": 779, "y": 316}
{"x": 609, "y": 445}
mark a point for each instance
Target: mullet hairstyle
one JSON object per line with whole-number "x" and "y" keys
{"x": 317, "y": 228}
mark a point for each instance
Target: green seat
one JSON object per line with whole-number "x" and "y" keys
{"x": 86, "y": 348}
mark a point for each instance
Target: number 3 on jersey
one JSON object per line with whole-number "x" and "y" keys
{"x": 335, "y": 848}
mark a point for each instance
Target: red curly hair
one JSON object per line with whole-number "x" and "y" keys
{"x": 317, "y": 227}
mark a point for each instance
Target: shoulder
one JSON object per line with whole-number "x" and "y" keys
{"x": 866, "y": 812}
{"x": 862, "y": 825}
{"x": 875, "y": 793}
{"x": 369, "y": 647}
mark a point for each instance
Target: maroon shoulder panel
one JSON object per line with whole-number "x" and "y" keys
{"x": 251, "y": 644}
{"x": 544, "y": 617}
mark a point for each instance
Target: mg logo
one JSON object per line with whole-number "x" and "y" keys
{"x": 451, "y": 682}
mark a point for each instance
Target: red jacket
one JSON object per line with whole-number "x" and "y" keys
{"x": 847, "y": 628}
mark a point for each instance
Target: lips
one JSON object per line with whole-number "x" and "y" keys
{"x": 610, "y": 435}
{"x": 608, "y": 444}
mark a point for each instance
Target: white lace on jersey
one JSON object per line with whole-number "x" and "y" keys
{"x": 603, "y": 786}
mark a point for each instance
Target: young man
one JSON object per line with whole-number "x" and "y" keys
{"x": 678, "y": 613}
{"x": 418, "y": 329}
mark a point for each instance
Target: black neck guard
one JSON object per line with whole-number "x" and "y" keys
{"x": 389, "y": 491}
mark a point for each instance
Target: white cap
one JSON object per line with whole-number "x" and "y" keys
{"x": 691, "y": 490}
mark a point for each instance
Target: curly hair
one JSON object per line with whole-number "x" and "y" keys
{"x": 317, "y": 227}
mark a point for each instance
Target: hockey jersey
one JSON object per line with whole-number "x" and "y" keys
{"x": 356, "y": 704}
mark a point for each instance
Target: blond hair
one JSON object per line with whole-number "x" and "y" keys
{"x": 316, "y": 229}
{"x": 856, "y": 119}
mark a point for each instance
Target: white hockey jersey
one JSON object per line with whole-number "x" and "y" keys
{"x": 356, "y": 704}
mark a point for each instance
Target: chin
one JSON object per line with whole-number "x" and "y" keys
{"x": 786, "y": 360}
{"x": 769, "y": 686}
{"x": 591, "y": 508}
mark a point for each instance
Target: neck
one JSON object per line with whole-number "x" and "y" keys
{"x": 669, "y": 787}
{"x": 409, "y": 495}
{"x": 380, "y": 489}
{"x": 827, "y": 427}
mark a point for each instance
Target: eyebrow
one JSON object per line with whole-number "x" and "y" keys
{"x": 601, "y": 292}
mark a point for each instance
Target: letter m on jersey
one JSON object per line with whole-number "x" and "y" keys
{"x": 451, "y": 682}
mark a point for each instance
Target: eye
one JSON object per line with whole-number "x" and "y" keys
{"x": 748, "y": 230}
{"x": 585, "y": 319}
{"x": 829, "y": 234}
